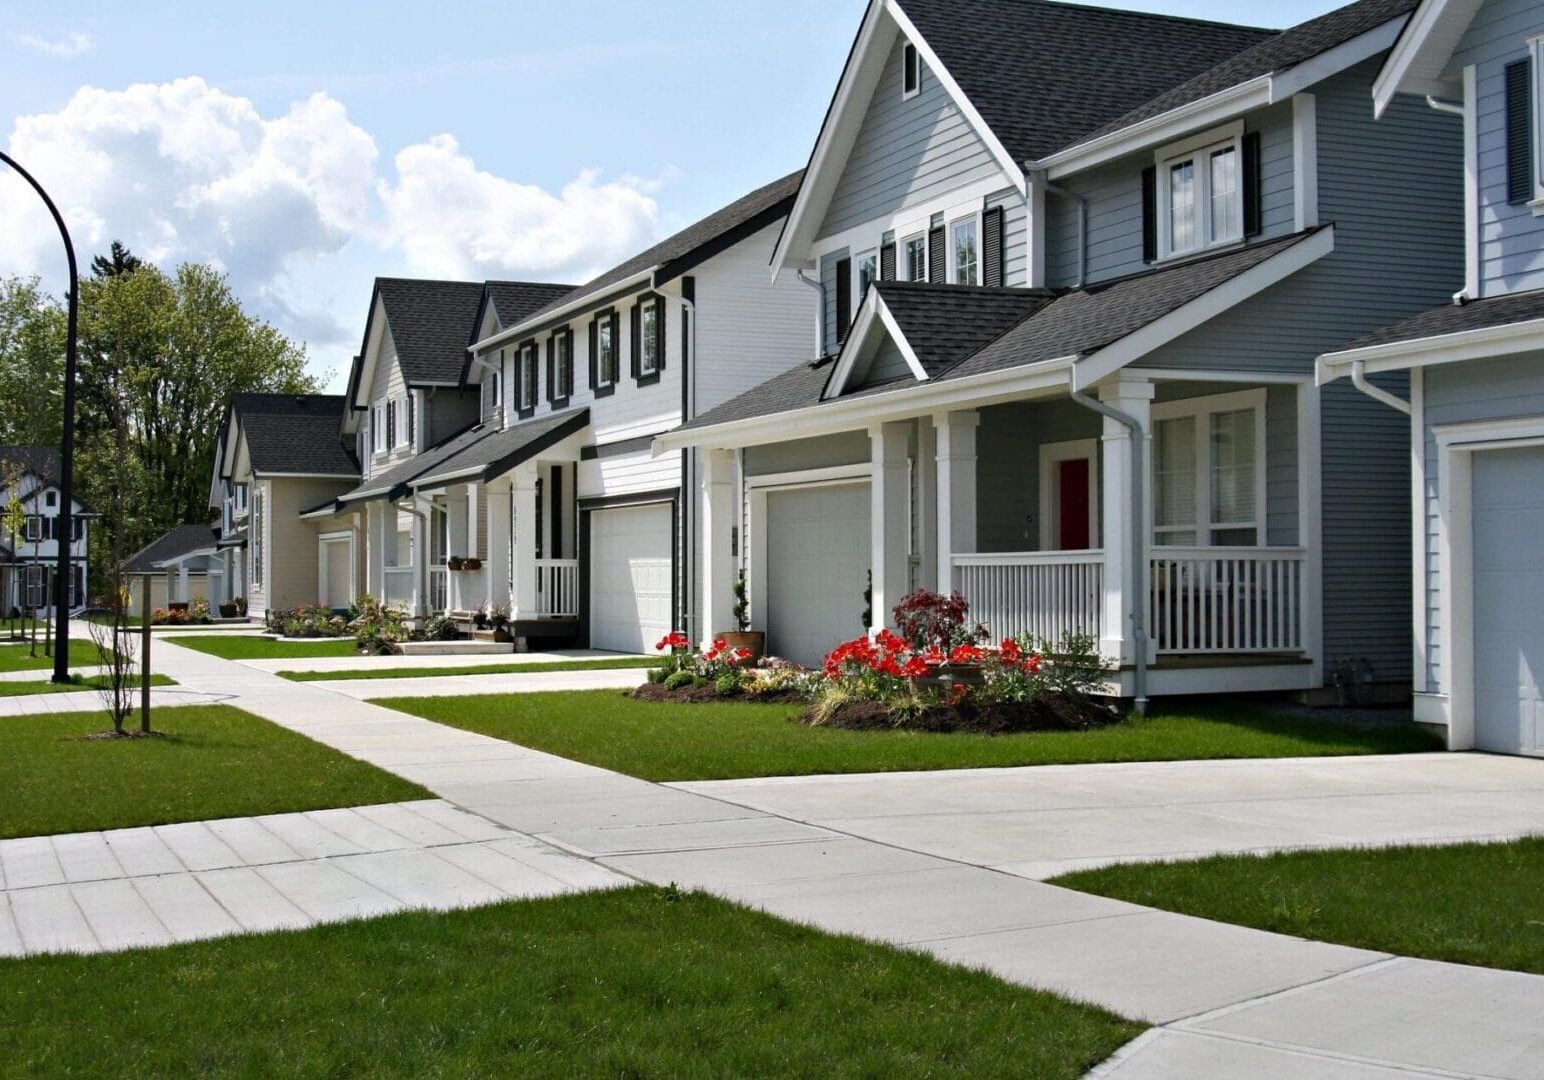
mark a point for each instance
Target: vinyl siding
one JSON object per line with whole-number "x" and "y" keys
{"x": 822, "y": 452}
{"x": 290, "y": 551}
{"x": 1454, "y": 394}
{"x": 888, "y": 364}
{"x": 906, "y": 152}
{"x": 1511, "y": 237}
{"x": 1008, "y": 446}
{"x": 828, "y": 262}
{"x": 1015, "y": 236}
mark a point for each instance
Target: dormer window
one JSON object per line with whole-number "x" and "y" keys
{"x": 964, "y": 239}
{"x": 911, "y": 71}
{"x": 1200, "y": 195}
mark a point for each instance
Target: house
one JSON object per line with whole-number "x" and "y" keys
{"x": 1076, "y": 266}
{"x": 1471, "y": 380}
{"x": 180, "y": 565}
{"x": 543, "y": 495}
{"x": 279, "y": 455}
{"x": 29, "y": 562}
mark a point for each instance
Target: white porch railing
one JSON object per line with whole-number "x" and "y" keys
{"x": 401, "y": 586}
{"x": 557, "y": 588}
{"x": 1044, "y": 593}
{"x": 1226, "y": 600}
{"x": 439, "y": 590}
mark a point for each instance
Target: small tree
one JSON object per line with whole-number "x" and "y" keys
{"x": 742, "y": 605}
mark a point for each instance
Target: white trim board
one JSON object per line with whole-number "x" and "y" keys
{"x": 1051, "y": 455}
{"x": 1465, "y": 345}
{"x": 863, "y": 339}
{"x": 1416, "y": 62}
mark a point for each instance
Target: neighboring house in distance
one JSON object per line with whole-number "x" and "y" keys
{"x": 280, "y": 455}
{"x": 1476, "y": 380}
{"x": 180, "y": 565}
{"x": 28, "y": 561}
{"x": 1030, "y": 250}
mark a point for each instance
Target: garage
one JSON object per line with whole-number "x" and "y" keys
{"x": 1508, "y": 564}
{"x": 631, "y": 574}
{"x": 817, "y": 552}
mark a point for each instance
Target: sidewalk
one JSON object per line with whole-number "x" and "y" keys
{"x": 1233, "y": 1001}
{"x": 469, "y": 685}
{"x": 76, "y": 701}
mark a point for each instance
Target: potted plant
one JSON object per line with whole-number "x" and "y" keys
{"x": 470, "y": 563}
{"x": 480, "y": 617}
{"x": 455, "y": 563}
{"x": 499, "y": 620}
{"x": 742, "y": 636}
{"x": 228, "y": 609}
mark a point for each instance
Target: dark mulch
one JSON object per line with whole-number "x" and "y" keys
{"x": 703, "y": 695}
{"x": 999, "y": 718}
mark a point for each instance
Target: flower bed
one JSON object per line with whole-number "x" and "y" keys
{"x": 194, "y": 614}
{"x": 308, "y": 621}
{"x": 719, "y": 672}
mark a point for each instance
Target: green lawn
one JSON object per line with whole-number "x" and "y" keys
{"x": 78, "y": 684}
{"x": 255, "y": 647}
{"x": 486, "y": 669}
{"x": 631, "y": 983}
{"x": 666, "y": 742}
{"x": 1468, "y": 903}
{"x": 215, "y": 762}
{"x": 83, "y": 653}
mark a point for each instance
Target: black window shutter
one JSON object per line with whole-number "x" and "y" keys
{"x": 843, "y": 298}
{"x": 1519, "y": 132}
{"x": 659, "y": 332}
{"x": 992, "y": 248}
{"x": 410, "y": 418}
{"x": 887, "y": 263}
{"x": 552, "y": 352}
{"x": 391, "y": 424}
{"x": 635, "y": 337}
{"x": 937, "y": 269}
{"x": 594, "y": 353}
{"x": 1251, "y": 178}
{"x": 568, "y": 374}
{"x": 1149, "y": 214}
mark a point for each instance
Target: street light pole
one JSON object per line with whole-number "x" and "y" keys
{"x": 64, "y": 532}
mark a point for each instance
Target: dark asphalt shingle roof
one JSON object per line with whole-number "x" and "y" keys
{"x": 1457, "y": 319}
{"x": 943, "y": 324}
{"x": 499, "y": 451}
{"x": 515, "y": 301}
{"x": 169, "y": 545}
{"x": 1278, "y": 52}
{"x": 1043, "y": 75}
{"x": 295, "y": 433}
{"x": 382, "y": 485}
{"x": 1077, "y": 323}
{"x": 41, "y": 461}
{"x": 432, "y": 323}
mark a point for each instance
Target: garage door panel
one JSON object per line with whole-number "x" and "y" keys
{"x": 817, "y": 568}
{"x": 631, "y": 577}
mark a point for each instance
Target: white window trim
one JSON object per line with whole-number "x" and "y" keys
{"x": 1202, "y": 409}
{"x": 915, "y": 55}
{"x": 378, "y": 428}
{"x": 906, "y": 274}
{"x": 496, "y": 388}
{"x": 1051, "y": 455}
{"x": 399, "y": 422}
{"x": 562, "y": 366}
{"x": 1536, "y": 56}
{"x": 1198, "y": 148}
{"x": 608, "y": 323}
{"x": 858, "y": 290}
{"x": 649, "y": 342}
{"x": 973, "y": 218}
{"x": 528, "y": 386}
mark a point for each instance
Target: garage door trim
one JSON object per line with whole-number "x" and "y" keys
{"x": 671, "y": 496}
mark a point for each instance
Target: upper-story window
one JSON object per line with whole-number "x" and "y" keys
{"x": 603, "y": 352}
{"x": 867, "y": 273}
{"x": 495, "y": 381}
{"x": 1523, "y": 86}
{"x": 911, "y": 71}
{"x": 527, "y": 400}
{"x": 401, "y": 421}
{"x": 965, "y": 244}
{"x": 650, "y": 353}
{"x": 560, "y": 379}
{"x": 33, "y": 531}
{"x": 379, "y": 432}
{"x": 51, "y": 499}
{"x": 915, "y": 252}
{"x": 1208, "y": 464}
{"x": 1200, "y": 194}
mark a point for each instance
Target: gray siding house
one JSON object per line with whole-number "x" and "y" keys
{"x": 1473, "y": 409}
{"x": 1066, "y": 364}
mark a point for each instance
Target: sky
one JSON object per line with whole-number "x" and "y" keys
{"x": 307, "y": 148}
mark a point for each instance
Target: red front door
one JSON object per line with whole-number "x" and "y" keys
{"x": 1072, "y": 513}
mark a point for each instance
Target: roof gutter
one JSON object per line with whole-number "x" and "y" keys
{"x": 568, "y": 310}
{"x": 1377, "y": 393}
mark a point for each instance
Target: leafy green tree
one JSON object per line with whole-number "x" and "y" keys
{"x": 32, "y": 333}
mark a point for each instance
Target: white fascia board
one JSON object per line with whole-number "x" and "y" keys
{"x": 371, "y": 355}
{"x": 1097, "y": 366}
{"x": 1347, "y": 54}
{"x": 1414, "y": 65}
{"x": 322, "y": 512}
{"x": 178, "y": 560}
{"x": 874, "y": 318}
{"x": 1486, "y": 344}
{"x": 905, "y": 403}
{"x": 301, "y": 476}
{"x": 568, "y": 310}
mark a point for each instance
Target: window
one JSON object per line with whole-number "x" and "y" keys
{"x": 378, "y": 429}
{"x": 967, "y": 252}
{"x": 496, "y": 386}
{"x": 257, "y": 538}
{"x": 562, "y": 378}
{"x": 649, "y": 324}
{"x": 911, "y": 71}
{"x": 527, "y": 378}
{"x": 34, "y": 529}
{"x": 401, "y": 427}
{"x": 34, "y": 586}
{"x": 51, "y": 499}
{"x": 603, "y": 339}
{"x": 1207, "y": 459}
{"x": 916, "y": 258}
{"x": 1201, "y": 196}
{"x": 868, "y": 273}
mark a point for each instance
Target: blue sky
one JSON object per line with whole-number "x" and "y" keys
{"x": 308, "y": 147}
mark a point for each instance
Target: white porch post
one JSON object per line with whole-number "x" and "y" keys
{"x": 182, "y": 583}
{"x": 1310, "y": 526}
{"x": 459, "y": 534}
{"x": 956, "y": 471}
{"x": 421, "y": 509}
{"x": 1134, "y": 397}
{"x": 926, "y": 527}
{"x": 715, "y": 511}
{"x": 375, "y": 549}
{"x": 523, "y": 494}
{"x": 890, "y": 544}
{"x": 496, "y": 569}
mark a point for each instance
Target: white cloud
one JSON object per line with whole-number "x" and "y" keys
{"x": 69, "y": 44}
{"x": 451, "y": 219}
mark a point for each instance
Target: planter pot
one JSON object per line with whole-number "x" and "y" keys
{"x": 754, "y": 640}
{"x": 471, "y": 564}
{"x": 228, "y": 611}
{"x": 502, "y": 635}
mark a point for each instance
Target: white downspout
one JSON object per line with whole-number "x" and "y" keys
{"x": 820, "y": 315}
{"x": 1082, "y": 201}
{"x": 1452, "y": 108}
{"x": 420, "y": 558}
{"x": 1377, "y": 393}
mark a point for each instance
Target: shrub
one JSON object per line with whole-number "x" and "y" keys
{"x": 927, "y": 620}
{"x": 780, "y": 677}
{"x": 308, "y": 621}
{"x": 658, "y": 675}
{"x": 1073, "y": 667}
{"x": 379, "y": 627}
{"x": 439, "y": 628}
{"x": 728, "y": 684}
{"x": 678, "y": 680}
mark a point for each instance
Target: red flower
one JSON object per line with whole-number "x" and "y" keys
{"x": 915, "y": 668}
{"x": 934, "y": 657}
{"x": 1033, "y": 664}
{"x": 890, "y": 643}
{"x": 965, "y": 654}
{"x": 1010, "y": 651}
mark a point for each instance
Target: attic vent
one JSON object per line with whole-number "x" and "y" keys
{"x": 911, "y": 71}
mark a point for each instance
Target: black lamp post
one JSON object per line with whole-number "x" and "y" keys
{"x": 65, "y": 530}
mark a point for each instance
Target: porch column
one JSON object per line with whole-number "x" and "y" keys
{"x": 523, "y": 580}
{"x": 458, "y": 535}
{"x": 956, "y": 470}
{"x": 375, "y": 550}
{"x": 420, "y": 510}
{"x": 496, "y": 569}
{"x": 889, "y": 544}
{"x": 715, "y": 511}
{"x": 925, "y": 561}
{"x": 1134, "y": 397}
{"x": 182, "y": 583}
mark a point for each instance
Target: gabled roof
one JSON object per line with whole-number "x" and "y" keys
{"x": 179, "y": 541}
{"x": 498, "y": 452}
{"x": 512, "y": 302}
{"x": 294, "y": 434}
{"x": 393, "y": 482}
{"x": 1418, "y": 61}
{"x": 943, "y": 324}
{"x": 679, "y": 253}
{"x": 432, "y": 323}
{"x": 41, "y": 461}
{"x": 1044, "y": 74}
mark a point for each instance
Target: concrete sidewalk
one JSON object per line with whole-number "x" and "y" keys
{"x": 1231, "y": 1001}
{"x": 469, "y": 685}
{"x": 75, "y": 701}
{"x": 428, "y": 663}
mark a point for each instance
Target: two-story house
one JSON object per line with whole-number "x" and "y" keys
{"x": 278, "y": 455}
{"x": 1076, "y": 267}
{"x": 1475, "y": 369}
{"x": 29, "y": 559}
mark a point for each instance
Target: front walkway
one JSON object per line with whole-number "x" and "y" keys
{"x": 469, "y": 685}
{"x": 75, "y": 701}
{"x": 1232, "y": 1001}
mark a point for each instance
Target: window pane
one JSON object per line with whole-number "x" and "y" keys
{"x": 650, "y": 360}
{"x": 868, "y": 272}
{"x": 1227, "y": 209}
{"x": 1182, "y": 207}
{"x": 916, "y": 259}
{"x": 608, "y": 371}
{"x": 965, "y": 261}
{"x": 1174, "y": 475}
{"x": 1233, "y": 467}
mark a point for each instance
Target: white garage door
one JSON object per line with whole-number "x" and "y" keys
{"x": 1509, "y": 601}
{"x": 817, "y": 569}
{"x": 630, "y": 577}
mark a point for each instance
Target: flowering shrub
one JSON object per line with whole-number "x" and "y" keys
{"x": 308, "y": 621}
{"x": 926, "y": 619}
{"x": 719, "y": 659}
{"x": 169, "y": 617}
{"x": 378, "y": 626}
{"x": 888, "y": 665}
{"x": 439, "y": 628}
